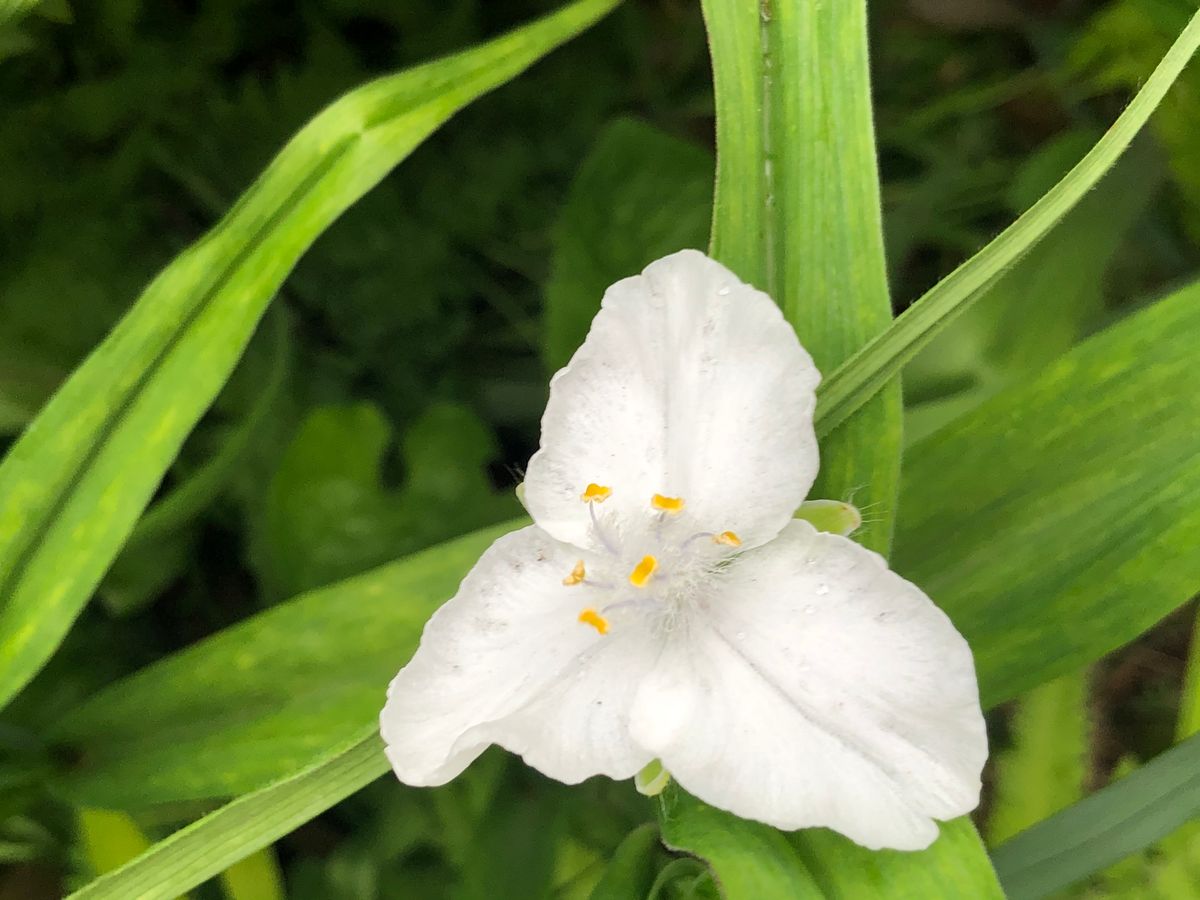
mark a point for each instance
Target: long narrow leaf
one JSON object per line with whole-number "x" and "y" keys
{"x": 1060, "y": 519}
{"x": 1107, "y": 826}
{"x": 192, "y": 496}
{"x": 872, "y": 367}
{"x": 210, "y": 845}
{"x": 279, "y": 689}
{"x": 73, "y": 486}
{"x": 1043, "y": 770}
{"x": 797, "y": 210}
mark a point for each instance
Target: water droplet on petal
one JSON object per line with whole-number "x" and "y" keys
{"x": 822, "y": 590}
{"x": 741, "y": 635}
{"x": 809, "y": 610}
{"x": 723, "y": 292}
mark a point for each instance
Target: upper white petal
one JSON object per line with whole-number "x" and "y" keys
{"x": 816, "y": 687}
{"x": 690, "y": 384}
{"x": 507, "y": 662}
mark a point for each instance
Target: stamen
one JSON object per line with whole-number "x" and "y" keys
{"x": 600, "y": 532}
{"x": 576, "y": 576}
{"x": 595, "y": 493}
{"x": 636, "y": 603}
{"x": 642, "y": 571}
{"x": 667, "y": 504}
{"x": 728, "y": 538}
{"x": 590, "y": 617}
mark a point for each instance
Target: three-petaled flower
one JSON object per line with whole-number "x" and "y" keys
{"x": 667, "y": 605}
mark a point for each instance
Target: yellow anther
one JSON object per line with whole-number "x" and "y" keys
{"x": 667, "y": 504}
{"x": 576, "y": 576}
{"x": 642, "y": 571}
{"x": 728, "y": 538}
{"x": 590, "y": 617}
{"x": 595, "y": 493}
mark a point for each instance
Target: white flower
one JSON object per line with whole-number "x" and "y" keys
{"x": 667, "y": 605}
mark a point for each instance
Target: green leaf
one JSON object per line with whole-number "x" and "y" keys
{"x": 1189, "y": 700}
{"x": 210, "y": 845}
{"x": 951, "y": 868}
{"x": 328, "y": 516}
{"x": 749, "y": 860}
{"x": 1169, "y": 870}
{"x": 1105, "y": 827}
{"x": 77, "y": 480}
{"x": 630, "y": 873}
{"x": 753, "y": 861}
{"x": 639, "y": 195}
{"x": 512, "y": 852}
{"x": 1044, "y": 769}
{"x": 1058, "y": 520}
{"x": 12, "y": 10}
{"x": 192, "y": 496}
{"x": 279, "y": 689}
{"x": 137, "y": 577}
{"x": 684, "y": 878}
{"x": 257, "y": 877}
{"x": 872, "y": 367}
{"x": 109, "y": 839}
{"x": 797, "y": 209}
{"x": 161, "y": 543}
{"x": 1117, "y": 49}
{"x": 1045, "y": 303}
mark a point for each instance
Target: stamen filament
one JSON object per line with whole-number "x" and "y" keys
{"x": 728, "y": 538}
{"x": 600, "y": 533}
{"x": 642, "y": 602}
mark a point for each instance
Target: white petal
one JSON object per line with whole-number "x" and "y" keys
{"x": 816, "y": 687}
{"x": 690, "y": 384}
{"x": 507, "y": 661}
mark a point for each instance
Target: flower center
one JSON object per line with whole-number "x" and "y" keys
{"x": 648, "y": 567}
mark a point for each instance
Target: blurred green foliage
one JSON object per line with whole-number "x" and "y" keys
{"x": 327, "y": 516}
{"x": 1118, "y": 49}
{"x": 417, "y": 333}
